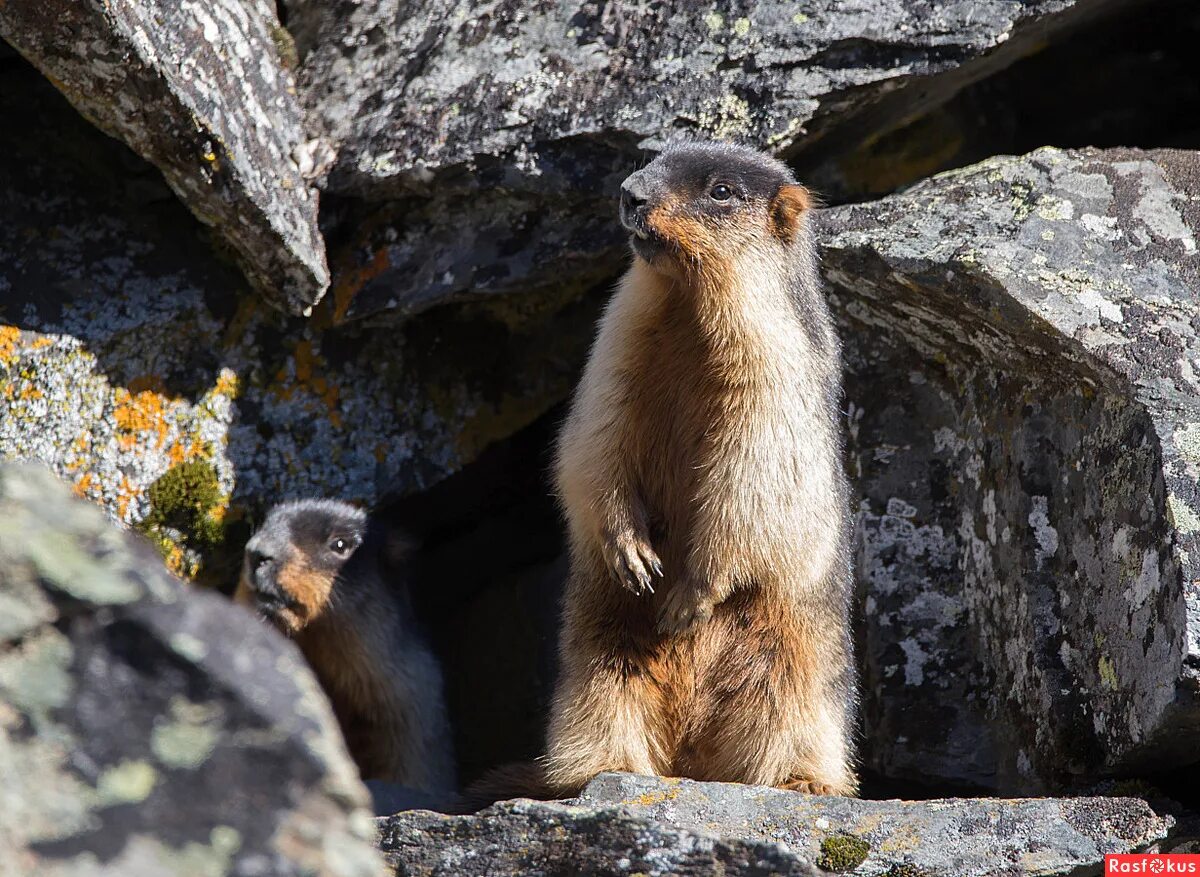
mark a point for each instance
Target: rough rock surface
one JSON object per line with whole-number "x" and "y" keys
{"x": 1024, "y": 414}
{"x": 557, "y": 840}
{"x": 150, "y": 729}
{"x": 625, "y": 824}
{"x": 200, "y": 90}
{"x": 498, "y": 132}
{"x": 126, "y": 353}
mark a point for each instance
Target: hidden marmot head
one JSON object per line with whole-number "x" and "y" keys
{"x": 293, "y": 562}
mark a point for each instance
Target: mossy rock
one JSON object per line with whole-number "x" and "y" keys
{"x": 906, "y": 870}
{"x": 189, "y": 513}
{"x": 841, "y": 853}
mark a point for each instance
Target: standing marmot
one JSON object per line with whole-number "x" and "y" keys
{"x": 705, "y": 623}
{"x": 329, "y": 579}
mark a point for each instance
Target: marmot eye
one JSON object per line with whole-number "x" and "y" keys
{"x": 721, "y": 192}
{"x": 341, "y": 546}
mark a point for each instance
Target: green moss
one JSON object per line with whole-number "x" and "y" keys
{"x": 842, "y": 852}
{"x": 184, "y": 498}
{"x": 285, "y": 46}
{"x": 188, "y": 512}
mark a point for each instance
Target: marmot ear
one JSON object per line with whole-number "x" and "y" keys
{"x": 788, "y": 206}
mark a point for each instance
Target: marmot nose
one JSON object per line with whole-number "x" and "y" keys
{"x": 256, "y": 558}
{"x": 631, "y": 205}
{"x": 633, "y": 202}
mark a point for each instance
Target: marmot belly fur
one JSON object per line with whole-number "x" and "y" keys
{"x": 706, "y": 618}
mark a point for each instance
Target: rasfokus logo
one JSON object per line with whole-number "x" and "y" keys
{"x": 1152, "y": 863}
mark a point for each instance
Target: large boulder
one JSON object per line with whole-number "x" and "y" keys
{"x": 627, "y": 824}
{"x": 146, "y": 728}
{"x": 200, "y": 90}
{"x": 1024, "y": 420}
{"x": 144, "y": 372}
{"x": 482, "y": 146}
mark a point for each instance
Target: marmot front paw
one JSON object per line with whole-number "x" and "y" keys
{"x": 632, "y": 561}
{"x": 682, "y": 608}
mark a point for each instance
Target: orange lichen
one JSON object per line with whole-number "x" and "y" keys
{"x": 349, "y": 282}
{"x": 227, "y": 384}
{"x": 127, "y": 493}
{"x": 85, "y": 483}
{"x": 9, "y": 336}
{"x": 140, "y": 414}
{"x": 308, "y": 375}
{"x": 183, "y": 450}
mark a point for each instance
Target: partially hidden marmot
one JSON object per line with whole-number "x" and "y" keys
{"x": 706, "y": 618}
{"x": 330, "y": 579}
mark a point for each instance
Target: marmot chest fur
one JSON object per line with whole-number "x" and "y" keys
{"x": 706, "y": 619}
{"x": 326, "y": 577}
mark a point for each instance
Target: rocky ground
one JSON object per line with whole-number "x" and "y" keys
{"x": 356, "y": 248}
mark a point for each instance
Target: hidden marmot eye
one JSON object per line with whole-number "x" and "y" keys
{"x": 721, "y": 192}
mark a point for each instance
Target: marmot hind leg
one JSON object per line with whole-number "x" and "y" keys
{"x": 768, "y": 711}
{"x": 602, "y": 717}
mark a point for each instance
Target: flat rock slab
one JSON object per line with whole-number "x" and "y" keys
{"x": 150, "y": 728}
{"x": 1022, "y": 340}
{"x": 963, "y": 837}
{"x": 555, "y": 840}
{"x": 199, "y": 90}
{"x": 625, "y": 824}
{"x": 488, "y": 142}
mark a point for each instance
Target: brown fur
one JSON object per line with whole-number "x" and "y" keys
{"x": 703, "y": 440}
{"x": 519, "y": 780}
{"x": 357, "y": 634}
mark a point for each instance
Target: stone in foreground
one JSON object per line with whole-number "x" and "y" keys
{"x": 1022, "y": 345}
{"x": 624, "y": 824}
{"x": 146, "y": 728}
{"x": 199, "y": 90}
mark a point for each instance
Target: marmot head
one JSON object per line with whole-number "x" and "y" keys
{"x": 698, "y": 206}
{"x": 293, "y": 561}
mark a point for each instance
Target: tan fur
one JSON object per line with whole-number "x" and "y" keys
{"x": 311, "y": 589}
{"x": 701, "y": 438}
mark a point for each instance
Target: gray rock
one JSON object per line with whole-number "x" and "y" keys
{"x": 199, "y": 90}
{"x": 556, "y": 840}
{"x": 626, "y": 824}
{"x": 146, "y": 728}
{"x": 1024, "y": 415}
{"x": 487, "y": 141}
{"x": 126, "y": 352}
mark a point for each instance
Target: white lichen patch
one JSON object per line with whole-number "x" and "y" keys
{"x": 1045, "y": 536}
